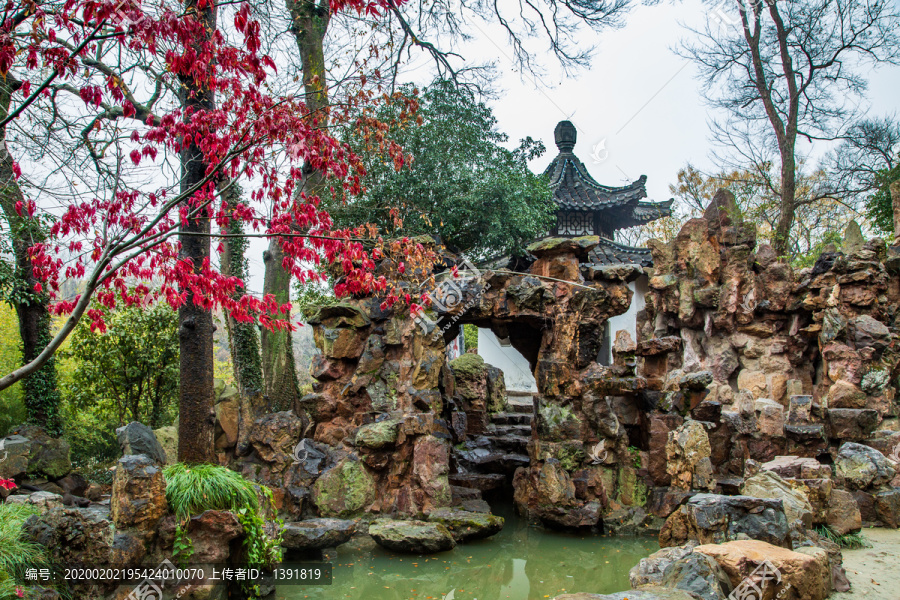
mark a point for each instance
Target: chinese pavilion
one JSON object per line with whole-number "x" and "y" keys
{"x": 586, "y": 207}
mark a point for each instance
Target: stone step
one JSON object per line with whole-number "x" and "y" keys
{"x": 461, "y": 493}
{"x": 484, "y": 460}
{"x": 507, "y": 464}
{"x": 520, "y": 405}
{"x": 511, "y": 443}
{"x": 508, "y": 418}
{"x": 483, "y": 482}
{"x": 501, "y": 430}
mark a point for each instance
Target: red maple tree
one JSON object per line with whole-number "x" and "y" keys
{"x": 123, "y": 243}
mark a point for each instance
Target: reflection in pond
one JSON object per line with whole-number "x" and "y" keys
{"x": 519, "y": 563}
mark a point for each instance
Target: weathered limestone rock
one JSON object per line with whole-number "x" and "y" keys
{"x": 465, "y": 525}
{"x": 74, "y": 484}
{"x": 418, "y": 537}
{"x": 547, "y": 486}
{"x": 211, "y": 533}
{"x": 698, "y": 574}
{"x": 42, "y": 500}
{"x": 430, "y": 471}
{"x": 797, "y": 468}
{"x": 799, "y": 409}
{"x": 650, "y": 570}
{"x": 887, "y": 507}
{"x": 275, "y": 435}
{"x": 867, "y": 332}
{"x": 754, "y": 382}
{"x": 138, "y": 493}
{"x": 47, "y": 457}
{"x": 479, "y": 389}
{"x": 811, "y": 539}
{"x": 844, "y": 394}
{"x": 660, "y": 427}
{"x": 843, "y": 515}
{"x": 344, "y": 490}
{"x": 851, "y": 423}
{"x": 315, "y": 534}
{"x": 136, "y": 438}
{"x": 802, "y": 577}
{"x": 687, "y": 451}
{"x": 768, "y": 484}
{"x": 16, "y": 449}
{"x": 228, "y": 415}
{"x": 770, "y": 417}
{"x": 73, "y": 535}
{"x": 631, "y": 521}
{"x": 663, "y": 501}
{"x": 713, "y": 519}
{"x": 862, "y": 467}
{"x": 168, "y": 439}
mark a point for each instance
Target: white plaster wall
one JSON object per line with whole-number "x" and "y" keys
{"x": 628, "y": 320}
{"x": 516, "y": 370}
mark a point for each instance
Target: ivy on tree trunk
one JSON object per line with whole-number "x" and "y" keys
{"x": 309, "y": 23}
{"x": 41, "y": 394}
{"x": 243, "y": 337}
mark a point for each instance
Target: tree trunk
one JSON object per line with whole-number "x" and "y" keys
{"x": 309, "y": 23}
{"x": 41, "y": 394}
{"x": 156, "y": 405}
{"x": 195, "y": 323}
{"x": 895, "y": 201}
{"x": 243, "y": 338}
{"x": 278, "y": 367}
{"x": 786, "y": 214}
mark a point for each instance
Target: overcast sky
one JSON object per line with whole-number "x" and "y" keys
{"x": 638, "y": 103}
{"x": 637, "y": 95}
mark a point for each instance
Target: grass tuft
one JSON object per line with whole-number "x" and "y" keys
{"x": 192, "y": 489}
{"x": 849, "y": 541}
{"x": 16, "y": 554}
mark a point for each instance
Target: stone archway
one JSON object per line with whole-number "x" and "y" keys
{"x": 383, "y": 377}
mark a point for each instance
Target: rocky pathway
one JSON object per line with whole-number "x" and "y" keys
{"x": 873, "y": 572}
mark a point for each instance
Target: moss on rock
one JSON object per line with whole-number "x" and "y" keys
{"x": 344, "y": 490}
{"x": 468, "y": 365}
{"x": 632, "y": 490}
{"x": 465, "y": 525}
{"x": 378, "y": 435}
{"x": 570, "y": 456}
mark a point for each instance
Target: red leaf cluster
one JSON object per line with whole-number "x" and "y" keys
{"x": 125, "y": 243}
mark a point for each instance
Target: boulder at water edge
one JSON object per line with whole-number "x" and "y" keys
{"x": 699, "y": 574}
{"x": 465, "y": 525}
{"x": 418, "y": 537}
{"x": 315, "y": 534}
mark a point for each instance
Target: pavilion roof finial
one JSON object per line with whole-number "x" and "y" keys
{"x": 565, "y": 135}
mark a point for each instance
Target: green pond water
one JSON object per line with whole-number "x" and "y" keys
{"x": 519, "y": 563}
